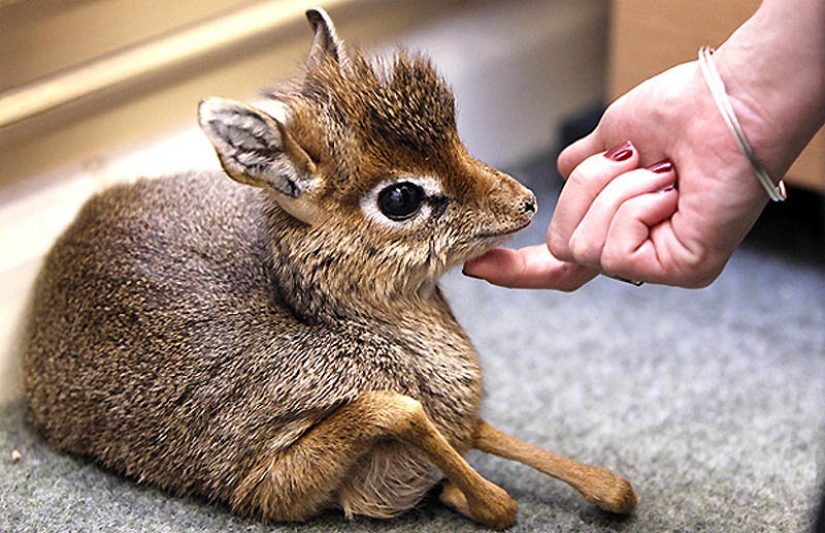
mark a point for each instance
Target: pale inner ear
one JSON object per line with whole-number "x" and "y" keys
{"x": 255, "y": 148}
{"x": 246, "y": 141}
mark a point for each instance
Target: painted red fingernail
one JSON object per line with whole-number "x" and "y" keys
{"x": 622, "y": 152}
{"x": 661, "y": 167}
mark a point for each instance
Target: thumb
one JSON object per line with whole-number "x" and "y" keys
{"x": 528, "y": 268}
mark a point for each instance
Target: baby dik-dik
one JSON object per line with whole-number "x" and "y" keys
{"x": 285, "y": 347}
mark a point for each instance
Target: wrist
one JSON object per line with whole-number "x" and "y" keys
{"x": 774, "y": 73}
{"x": 774, "y": 190}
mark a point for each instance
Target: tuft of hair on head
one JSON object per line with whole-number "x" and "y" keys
{"x": 402, "y": 100}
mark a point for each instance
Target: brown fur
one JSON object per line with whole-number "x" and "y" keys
{"x": 284, "y": 348}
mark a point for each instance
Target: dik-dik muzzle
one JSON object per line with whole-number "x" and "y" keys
{"x": 507, "y": 206}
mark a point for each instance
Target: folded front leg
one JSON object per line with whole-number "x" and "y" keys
{"x": 297, "y": 482}
{"x": 597, "y": 485}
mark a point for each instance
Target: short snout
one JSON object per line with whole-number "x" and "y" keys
{"x": 517, "y": 200}
{"x": 510, "y": 205}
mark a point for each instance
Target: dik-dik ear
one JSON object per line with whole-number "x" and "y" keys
{"x": 326, "y": 46}
{"x": 255, "y": 148}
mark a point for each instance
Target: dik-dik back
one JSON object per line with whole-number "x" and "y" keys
{"x": 279, "y": 341}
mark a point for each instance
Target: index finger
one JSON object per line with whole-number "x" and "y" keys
{"x": 585, "y": 182}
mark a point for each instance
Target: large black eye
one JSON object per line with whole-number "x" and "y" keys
{"x": 400, "y": 201}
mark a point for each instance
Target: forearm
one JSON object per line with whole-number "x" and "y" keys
{"x": 774, "y": 70}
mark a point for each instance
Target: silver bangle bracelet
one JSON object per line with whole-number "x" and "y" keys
{"x": 776, "y": 193}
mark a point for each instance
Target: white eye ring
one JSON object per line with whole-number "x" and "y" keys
{"x": 369, "y": 203}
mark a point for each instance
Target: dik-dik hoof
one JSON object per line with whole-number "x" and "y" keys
{"x": 611, "y": 493}
{"x": 493, "y": 507}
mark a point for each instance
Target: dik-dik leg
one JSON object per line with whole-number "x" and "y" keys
{"x": 296, "y": 483}
{"x": 597, "y": 485}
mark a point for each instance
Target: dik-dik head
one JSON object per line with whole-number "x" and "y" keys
{"x": 365, "y": 159}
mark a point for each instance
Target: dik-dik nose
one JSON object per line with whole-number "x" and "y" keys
{"x": 529, "y": 205}
{"x": 522, "y": 200}
{"x": 517, "y": 201}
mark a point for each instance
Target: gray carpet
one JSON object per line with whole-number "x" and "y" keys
{"x": 709, "y": 401}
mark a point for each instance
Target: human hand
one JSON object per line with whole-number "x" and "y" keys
{"x": 621, "y": 211}
{"x": 617, "y": 215}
